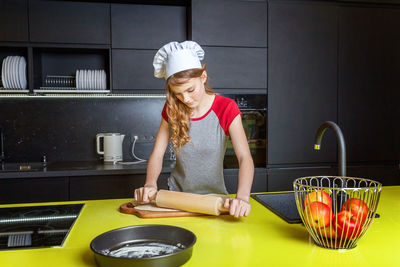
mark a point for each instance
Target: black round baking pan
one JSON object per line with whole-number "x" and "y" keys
{"x": 143, "y": 245}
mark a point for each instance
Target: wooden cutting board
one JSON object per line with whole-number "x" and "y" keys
{"x": 129, "y": 208}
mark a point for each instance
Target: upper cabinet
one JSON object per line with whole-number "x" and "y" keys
{"x": 236, "y": 67}
{"x": 373, "y": 1}
{"x": 369, "y": 82}
{"x": 69, "y": 22}
{"x": 229, "y": 23}
{"x": 133, "y": 70}
{"x": 147, "y": 26}
{"x": 138, "y": 31}
{"x": 13, "y": 20}
{"x": 302, "y": 83}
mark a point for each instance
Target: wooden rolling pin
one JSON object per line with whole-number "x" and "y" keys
{"x": 207, "y": 204}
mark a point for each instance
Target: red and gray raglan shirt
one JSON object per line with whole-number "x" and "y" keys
{"x": 199, "y": 163}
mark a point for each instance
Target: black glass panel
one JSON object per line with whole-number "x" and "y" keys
{"x": 36, "y": 226}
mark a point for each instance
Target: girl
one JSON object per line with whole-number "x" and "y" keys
{"x": 198, "y": 123}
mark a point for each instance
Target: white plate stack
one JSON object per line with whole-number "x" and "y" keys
{"x": 13, "y": 72}
{"x": 91, "y": 80}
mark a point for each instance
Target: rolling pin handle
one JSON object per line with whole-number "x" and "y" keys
{"x": 221, "y": 206}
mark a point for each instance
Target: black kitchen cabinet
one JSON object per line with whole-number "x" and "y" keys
{"x": 234, "y": 67}
{"x": 369, "y": 81}
{"x": 281, "y": 179}
{"x": 147, "y": 26}
{"x": 229, "y": 23}
{"x": 302, "y": 83}
{"x": 106, "y": 186}
{"x": 259, "y": 180}
{"x": 25, "y": 190}
{"x": 133, "y": 69}
{"x": 385, "y": 174}
{"x": 69, "y": 22}
{"x": 14, "y": 20}
{"x": 373, "y": 1}
{"x": 246, "y": 70}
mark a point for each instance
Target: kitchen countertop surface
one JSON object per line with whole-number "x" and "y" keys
{"x": 76, "y": 168}
{"x": 262, "y": 239}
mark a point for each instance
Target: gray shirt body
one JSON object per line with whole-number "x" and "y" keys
{"x": 199, "y": 163}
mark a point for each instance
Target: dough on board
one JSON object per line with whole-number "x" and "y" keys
{"x": 151, "y": 207}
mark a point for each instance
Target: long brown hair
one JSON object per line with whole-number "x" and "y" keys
{"x": 178, "y": 113}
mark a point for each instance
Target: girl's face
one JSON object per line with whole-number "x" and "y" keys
{"x": 191, "y": 92}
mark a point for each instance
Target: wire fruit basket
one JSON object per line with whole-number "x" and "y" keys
{"x": 336, "y": 211}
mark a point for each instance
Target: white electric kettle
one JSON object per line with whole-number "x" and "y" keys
{"x": 112, "y": 146}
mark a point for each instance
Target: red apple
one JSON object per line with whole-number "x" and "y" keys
{"x": 348, "y": 225}
{"x": 329, "y": 231}
{"x": 318, "y": 214}
{"x": 318, "y": 196}
{"x": 357, "y": 207}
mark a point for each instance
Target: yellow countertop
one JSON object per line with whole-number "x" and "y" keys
{"x": 262, "y": 239}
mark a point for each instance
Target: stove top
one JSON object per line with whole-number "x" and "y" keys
{"x": 36, "y": 226}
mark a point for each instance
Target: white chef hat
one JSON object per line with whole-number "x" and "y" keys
{"x": 175, "y": 57}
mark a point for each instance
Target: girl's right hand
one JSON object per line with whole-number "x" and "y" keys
{"x": 144, "y": 195}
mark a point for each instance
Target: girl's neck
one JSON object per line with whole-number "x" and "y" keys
{"x": 203, "y": 106}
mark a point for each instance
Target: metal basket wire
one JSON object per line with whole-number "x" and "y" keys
{"x": 336, "y": 229}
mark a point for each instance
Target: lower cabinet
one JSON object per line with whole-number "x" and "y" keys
{"x": 259, "y": 181}
{"x": 281, "y": 179}
{"x": 109, "y": 186}
{"x": 102, "y": 187}
{"x": 385, "y": 174}
{"x": 25, "y": 190}
{"x": 52, "y": 189}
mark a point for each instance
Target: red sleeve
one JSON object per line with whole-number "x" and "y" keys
{"x": 226, "y": 110}
{"x": 164, "y": 113}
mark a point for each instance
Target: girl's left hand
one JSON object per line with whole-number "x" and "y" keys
{"x": 237, "y": 207}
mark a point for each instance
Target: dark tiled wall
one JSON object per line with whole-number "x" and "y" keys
{"x": 64, "y": 129}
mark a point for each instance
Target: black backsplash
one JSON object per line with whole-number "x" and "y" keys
{"x": 64, "y": 129}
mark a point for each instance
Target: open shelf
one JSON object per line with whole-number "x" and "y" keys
{"x": 55, "y": 68}
{"x": 70, "y": 91}
{"x": 17, "y": 91}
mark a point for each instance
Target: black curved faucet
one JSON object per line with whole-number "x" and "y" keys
{"x": 340, "y": 141}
